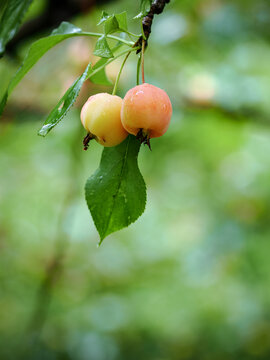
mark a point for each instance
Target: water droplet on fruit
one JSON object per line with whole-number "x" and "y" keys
{"x": 139, "y": 92}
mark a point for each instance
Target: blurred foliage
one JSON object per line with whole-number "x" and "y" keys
{"x": 189, "y": 280}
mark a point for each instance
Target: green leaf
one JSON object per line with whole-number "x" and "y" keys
{"x": 66, "y": 28}
{"x": 69, "y": 97}
{"x": 111, "y": 25}
{"x": 100, "y": 77}
{"x": 122, "y": 20}
{"x": 3, "y": 102}
{"x": 2, "y": 6}
{"x": 102, "y": 48}
{"x": 104, "y": 17}
{"x": 144, "y": 8}
{"x": 64, "y": 104}
{"x": 37, "y": 50}
{"x": 11, "y": 20}
{"x": 116, "y": 193}
{"x": 114, "y": 23}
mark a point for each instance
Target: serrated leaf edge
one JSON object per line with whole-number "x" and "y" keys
{"x": 102, "y": 237}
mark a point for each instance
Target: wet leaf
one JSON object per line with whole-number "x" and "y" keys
{"x": 102, "y": 48}
{"x": 116, "y": 193}
{"x": 11, "y": 20}
{"x": 64, "y": 104}
{"x": 36, "y": 51}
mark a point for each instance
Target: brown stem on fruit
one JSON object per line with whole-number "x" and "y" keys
{"x": 143, "y": 48}
{"x": 147, "y": 142}
{"x": 144, "y": 138}
{"x": 156, "y": 8}
{"x": 86, "y": 141}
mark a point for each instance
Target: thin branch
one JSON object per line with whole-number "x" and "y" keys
{"x": 119, "y": 73}
{"x": 156, "y": 8}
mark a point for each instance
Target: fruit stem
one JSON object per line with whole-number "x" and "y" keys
{"x": 119, "y": 73}
{"x": 143, "y": 48}
{"x": 86, "y": 141}
{"x": 130, "y": 33}
{"x": 110, "y": 61}
{"x": 143, "y": 34}
{"x": 138, "y": 69}
{"x": 144, "y": 138}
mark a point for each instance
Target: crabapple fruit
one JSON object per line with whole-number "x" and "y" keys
{"x": 100, "y": 116}
{"x": 146, "y": 112}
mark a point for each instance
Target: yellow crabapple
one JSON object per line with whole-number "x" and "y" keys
{"x": 100, "y": 116}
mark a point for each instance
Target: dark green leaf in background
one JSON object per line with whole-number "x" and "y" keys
{"x": 64, "y": 104}
{"x": 11, "y": 20}
{"x": 102, "y": 48}
{"x": 37, "y": 50}
{"x": 2, "y": 6}
{"x": 116, "y": 193}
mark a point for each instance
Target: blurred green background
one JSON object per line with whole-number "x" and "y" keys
{"x": 190, "y": 279}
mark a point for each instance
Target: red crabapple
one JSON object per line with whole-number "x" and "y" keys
{"x": 146, "y": 112}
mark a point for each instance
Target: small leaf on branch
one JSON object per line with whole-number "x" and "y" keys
{"x": 104, "y": 17}
{"x": 100, "y": 77}
{"x": 114, "y": 23}
{"x": 102, "y": 48}
{"x": 122, "y": 20}
{"x": 111, "y": 25}
{"x": 116, "y": 193}
{"x": 11, "y": 20}
{"x": 66, "y": 28}
{"x": 144, "y": 8}
{"x": 64, "y": 104}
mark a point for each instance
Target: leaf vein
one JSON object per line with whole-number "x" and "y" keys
{"x": 118, "y": 188}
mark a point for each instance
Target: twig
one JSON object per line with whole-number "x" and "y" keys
{"x": 156, "y": 8}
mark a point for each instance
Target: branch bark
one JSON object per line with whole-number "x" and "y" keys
{"x": 156, "y": 8}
